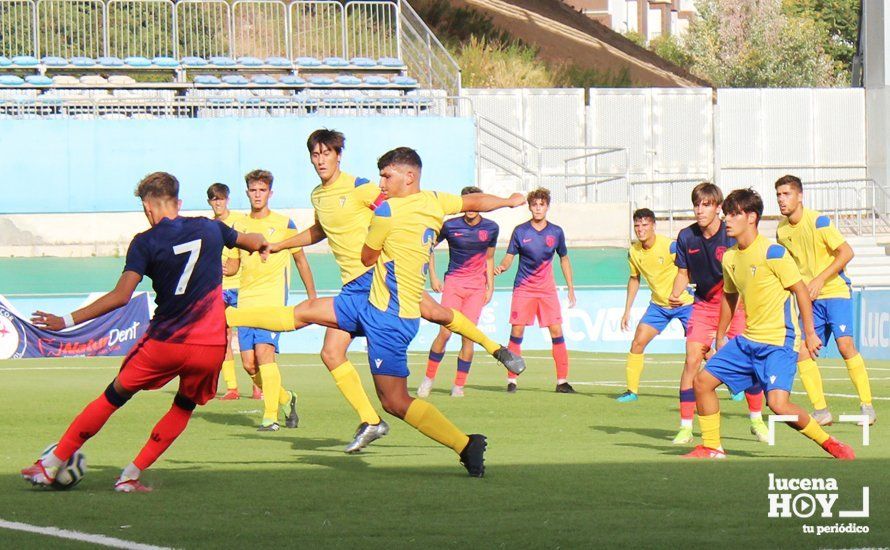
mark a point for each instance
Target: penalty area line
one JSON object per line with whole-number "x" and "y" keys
{"x": 101, "y": 540}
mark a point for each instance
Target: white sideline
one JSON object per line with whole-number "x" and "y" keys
{"x": 622, "y": 384}
{"x": 77, "y": 535}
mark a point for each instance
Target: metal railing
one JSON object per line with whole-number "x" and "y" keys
{"x": 859, "y": 206}
{"x": 144, "y": 28}
{"x": 427, "y": 59}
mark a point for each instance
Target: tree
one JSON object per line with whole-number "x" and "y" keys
{"x": 754, "y": 44}
{"x": 839, "y": 20}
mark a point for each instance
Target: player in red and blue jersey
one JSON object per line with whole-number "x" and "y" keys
{"x": 186, "y": 337}
{"x": 534, "y": 290}
{"x": 700, "y": 249}
{"x": 469, "y": 285}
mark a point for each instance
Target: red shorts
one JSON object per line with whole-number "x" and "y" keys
{"x": 525, "y": 308}
{"x": 152, "y": 363}
{"x": 467, "y": 301}
{"x": 702, "y": 326}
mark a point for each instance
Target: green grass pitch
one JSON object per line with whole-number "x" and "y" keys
{"x": 563, "y": 471}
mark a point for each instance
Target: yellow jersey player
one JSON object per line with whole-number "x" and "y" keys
{"x": 765, "y": 276}
{"x": 399, "y": 242}
{"x": 344, "y": 206}
{"x": 822, "y": 253}
{"x": 652, "y": 257}
{"x": 265, "y": 283}
{"x": 218, "y": 199}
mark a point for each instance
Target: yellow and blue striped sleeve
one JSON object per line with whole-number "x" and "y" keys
{"x": 782, "y": 265}
{"x": 381, "y": 225}
{"x": 829, "y": 233}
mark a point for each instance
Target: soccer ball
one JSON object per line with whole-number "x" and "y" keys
{"x": 71, "y": 472}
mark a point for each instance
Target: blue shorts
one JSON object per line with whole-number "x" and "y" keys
{"x": 388, "y": 338}
{"x": 833, "y": 316}
{"x": 248, "y": 337}
{"x": 352, "y": 299}
{"x": 658, "y": 317}
{"x": 742, "y": 362}
{"x": 230, "y": 297}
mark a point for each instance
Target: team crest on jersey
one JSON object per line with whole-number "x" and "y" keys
{"x": 342, "y": 201}
{"x": 753, "y": 270}
{"x": 483, "y": 235}
{"x": 550, "y": 240}
{"x": 661, "y": 260}
{"x": 718, "y": 253}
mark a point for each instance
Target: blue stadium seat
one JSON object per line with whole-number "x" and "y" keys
{"x": 50, "y": 100}
{"x": 25, "y": 61}
{"x": 278, "y": 62}
{"x": 335, "y": 62}
{"x": 248, "y": 61}
{"x": 222, "y": 61}
{"x": 111, "y": 61}
{"x": 38, "y": 80}
{"x": 10, "y": 80}
{"x": 54, "y": 61}
{"x": 390, "y": 100}
{"x": 305, "y": 100}
{"x": 206, "y": 79}
{"x": 249, "y": 100}
{"x": 348, "y": 80}
{"x": 320, "y": 81}
{"x": 363, "y": 62}
{"x": 404, "y": 81}
{"x": 376, "y": 80}
{"x": 235, "y": 80}
{"x": 83, "y": 61}
{"x": 334, "y": 100}
{"x": 163, "y": 61}
{"x": 264, "y": 80}
{"x": 137, "y": 61}
{"x": 192, "y": 61}
{"x": 277, "y": 100}
{"x": 308, "y": 62}
{"x": 390, "y": 62}
{"x": 221, "y": 100}
{"x": 361, "y": 99}
{"x": 5, "y": 61}
{"x": 292, "y": 80}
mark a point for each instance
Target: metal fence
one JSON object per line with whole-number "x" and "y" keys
{"x": 141, "y": 28}
{"x": 18, "y": 27}
{"x": 317, "y": 29}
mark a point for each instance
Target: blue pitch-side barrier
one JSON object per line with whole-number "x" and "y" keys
{"x": 94, "y": 165}
{"x": 593, "y": 325}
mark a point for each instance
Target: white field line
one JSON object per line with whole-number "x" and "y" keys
{"x": 622, "y": 384}
{"x": 101, "y": 540}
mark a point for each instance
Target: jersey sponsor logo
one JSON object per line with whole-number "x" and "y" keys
{"x": 483, "y": 234}
{"x": 843, "y": 328}
{"x": 694, "y": 250}
{"x": 526, "y": 241}
{"x": 718, "y": 253}
{"x": 550, "y": 240}
{"x": 342, "y": 201}
{"x": 458, "y": 234}
{"x": 378, "y": 362}
{"x": 12, "y": 340}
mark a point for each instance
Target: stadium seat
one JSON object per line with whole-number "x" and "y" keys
{"x": 167, "y": 62}
{"x": 302, "y": 100}
{"x": 361, "y": 99}
{"x": 54, "y": 61}
{"x": 334, "y": 100}
{"x": 404, "y": 81}
{"x": 192, "y": 61}
{"x": 93, "y": 80}
{"x": 292, "y": 80}
{"x": 221, "y": 100}
{"x": 119, "y": 79}
{"x": 264, "y": 80}
{"x": 335, "y": 62}
{"x": 50, "y": 100}
{"x": 390, "y": 62}
{"x": 222, "y": 61}
{"x": 65, "y": 80}
{"x": 5, "y": 61}
{"x": 278, "y": 62}
{"x": 248, "y": 61}
{"x": 11, "y": 80}
{"x": 83, "y": 61}
{"x": 277, "y": 100}
{"x": 363, "y": 62}
{"x": 376, "y": 80}
{"x": 38, "y": 80}
{"x": 25, "y": 61}
{"x": 235, "y": 80}
{"x": 207, "y": 80}
{"x": 320, "y": 81}
{"x": 308, "y": 62}
{"x": 111, "y": 61}
{"x": 137, "y": 61}
{"x": 249, "y": 100}
{"x": 348, "y": 80}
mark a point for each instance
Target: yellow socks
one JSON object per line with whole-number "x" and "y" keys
{"x": 463, "y": 326}
{"x": 815, "y": 432}
{"x": 710, "y": 430}
{"x": 271, "y": 378}
{"x": 634, "y": 371}
{"x": 276, "y": 319}
{"x": 228, "y": 372}
{"x": 856, "y": 370}
{"x": 350, "y": 386}
{"x": 812, "y": 383}
{"x": 433, "y": 424}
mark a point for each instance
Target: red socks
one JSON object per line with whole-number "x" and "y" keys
{"x": 754, "y": 397}
{"x": 561, "y": 357}
{"x": 85, "y": 425}
{"x": 163, "y": 435}
{"x": 432, "y": 363}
